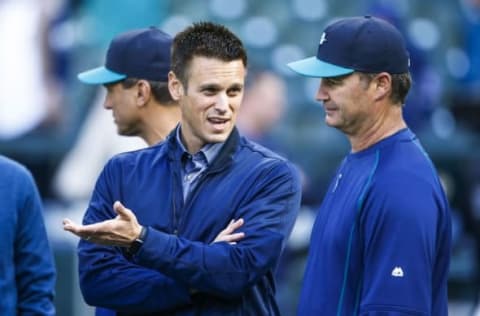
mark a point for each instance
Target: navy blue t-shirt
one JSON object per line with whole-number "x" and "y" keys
{"x": 381, "y": 241}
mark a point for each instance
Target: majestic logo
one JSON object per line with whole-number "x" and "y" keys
{"x": 397, "y": 272}
{"x": 323, "y": 39}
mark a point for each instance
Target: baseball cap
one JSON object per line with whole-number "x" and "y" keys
{"x": 142, "y": 53}
{"x": 366, "y": 44}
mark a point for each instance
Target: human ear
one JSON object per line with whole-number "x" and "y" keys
{"x": 175, "y": 86}
{"x": 382, "y": 85}
{"x": 144, "y": 91}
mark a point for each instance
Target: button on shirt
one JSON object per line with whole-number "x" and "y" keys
{"x": 194, "y": 165}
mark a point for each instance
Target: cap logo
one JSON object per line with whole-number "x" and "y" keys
{"x": 323, "y": 39}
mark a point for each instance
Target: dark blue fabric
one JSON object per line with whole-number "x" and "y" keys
{"x": 366, "y": 44}
{"x": 178, "y": 271}
{"x": 27, "y": 271}
{"x": 381, "y": 242}
{"x": 142, "y": 54}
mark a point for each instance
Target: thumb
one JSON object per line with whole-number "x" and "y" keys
{"x": 121, "y": 210}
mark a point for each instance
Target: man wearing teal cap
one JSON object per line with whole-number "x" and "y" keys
{"x": 135, "y": 76}
{"x": 381, "y": 241}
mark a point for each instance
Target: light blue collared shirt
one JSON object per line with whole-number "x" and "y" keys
{"x": 194, "y": 165}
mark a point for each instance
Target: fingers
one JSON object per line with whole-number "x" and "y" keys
{"x": 83, "y": 231}
{"x": 68, "y": 224}
{"x": 237, "y": 224}
{"x": 120, "y": 208}
{"x": 233, "y": 238}
{"x": 122, "y": 211}
{"x": 233, "y": 225}
{"x": 228, "y": 235}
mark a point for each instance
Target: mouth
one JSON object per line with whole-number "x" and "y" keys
{"x": 329, "y": 109}
{"x": 218, "y": 123}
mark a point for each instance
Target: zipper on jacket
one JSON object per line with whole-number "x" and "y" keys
{"x": 192, "y": 195}
{"x": 174, "y": 201}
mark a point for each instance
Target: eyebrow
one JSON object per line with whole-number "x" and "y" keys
{"x": 216, "y": 87}
{"x": 210, "y": 86}
{"x": 236, "y": 86}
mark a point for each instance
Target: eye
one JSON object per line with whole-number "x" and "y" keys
{"x": 232, "y": 92}
{"x": 334, "y": 81}
{"x": 209, "y": 90}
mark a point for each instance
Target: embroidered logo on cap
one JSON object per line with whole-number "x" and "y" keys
{"x": 323, "y": 39}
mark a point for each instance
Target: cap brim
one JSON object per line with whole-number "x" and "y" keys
{"x": 313, "y": 67}
{"x": 100, "y": 75}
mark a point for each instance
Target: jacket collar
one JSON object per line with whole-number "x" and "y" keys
{"x": 224, "y": 157}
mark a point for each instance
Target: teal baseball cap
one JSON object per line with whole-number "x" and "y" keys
{"x": 365, "y": 44}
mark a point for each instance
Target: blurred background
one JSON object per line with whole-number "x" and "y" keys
{"x": 57, "y": 127}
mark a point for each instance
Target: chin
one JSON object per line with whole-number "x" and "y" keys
{"x": 218, "y": 138}
{"x": 331, "y": 122}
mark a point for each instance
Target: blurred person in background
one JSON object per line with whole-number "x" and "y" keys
{"x": 88, "y": 27}
{"x": 470, "y": 27}
{"x": 263, "y": 106}
{"x": 161, "y": 255}
{"x": 465, "y": 102}
{"x": 381, "y": 240}
{"x": 425, "y": 93}
{"x": 140, "y": 104}
{"x": 27, "y": 270}
{"x": 465, "y": 98}
{"x": 26, "y": 57}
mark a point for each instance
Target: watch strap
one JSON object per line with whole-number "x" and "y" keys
{"x": 137, "y": 243}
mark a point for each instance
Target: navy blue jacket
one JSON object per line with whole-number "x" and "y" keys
{"x": 178, "y": 270}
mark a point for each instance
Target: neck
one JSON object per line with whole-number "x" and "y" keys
{"x": 383, "y": 126}
{"x": 158, "y": 122}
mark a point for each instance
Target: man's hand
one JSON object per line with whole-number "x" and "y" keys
{"x": 228, "y": 234}
{"x": 120, "y": 231}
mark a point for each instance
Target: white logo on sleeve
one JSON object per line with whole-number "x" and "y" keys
{"x": 397, "y": 272}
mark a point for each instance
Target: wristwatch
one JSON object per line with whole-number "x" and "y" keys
{"x": 137, "y": 243}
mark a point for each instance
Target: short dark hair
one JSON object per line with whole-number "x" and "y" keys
{"x": 205, "y": 39}
{"x": 401, "y": 84}
{"x": 159, "y": 89}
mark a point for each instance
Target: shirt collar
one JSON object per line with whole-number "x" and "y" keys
{"x": 208, "y": 151}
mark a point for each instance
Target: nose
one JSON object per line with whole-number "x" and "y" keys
{"x": 107, "y": 103}
{"x": 221, "y": 106}
{"x": 322, "y": 93}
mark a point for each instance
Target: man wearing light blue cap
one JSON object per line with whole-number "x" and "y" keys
{"x": 135, "y": 76}
{"x": 381, "y": 241}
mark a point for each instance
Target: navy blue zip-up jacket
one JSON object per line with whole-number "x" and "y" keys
{"x": 178, "y": 270}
